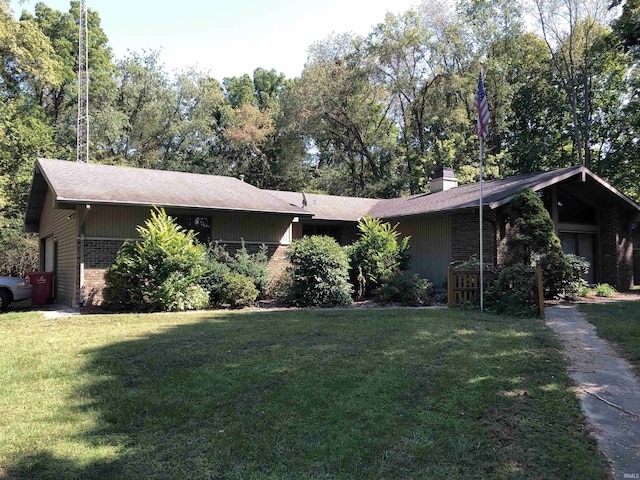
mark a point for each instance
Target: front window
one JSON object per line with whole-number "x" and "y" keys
{"x": 200, "y": 225}
{"x": 328, "y": 230}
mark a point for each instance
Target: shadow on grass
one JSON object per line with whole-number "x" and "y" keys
{"x": 331, "y": 394}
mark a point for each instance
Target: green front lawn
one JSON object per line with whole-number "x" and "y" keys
{"x": 618, "y": 322}
{"x": 333, "y": 394}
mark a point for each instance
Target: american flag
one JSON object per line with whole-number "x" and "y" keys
{"x": 480, "y": 102}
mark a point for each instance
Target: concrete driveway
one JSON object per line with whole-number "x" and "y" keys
{"x": 609, "y": 391}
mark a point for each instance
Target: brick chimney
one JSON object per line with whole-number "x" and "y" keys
{"x": 443, "y": 179}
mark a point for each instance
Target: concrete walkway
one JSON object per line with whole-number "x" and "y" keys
{"x": 609, "y": 391}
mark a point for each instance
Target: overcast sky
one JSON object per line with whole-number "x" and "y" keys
{"x": 231, "y": 37}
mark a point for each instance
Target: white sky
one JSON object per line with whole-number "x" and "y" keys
{"x": 230, "y": 37}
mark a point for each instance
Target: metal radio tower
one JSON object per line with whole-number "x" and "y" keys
{"x": 82, "y": 150}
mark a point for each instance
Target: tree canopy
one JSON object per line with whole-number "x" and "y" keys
{"x": 370, "y": 115}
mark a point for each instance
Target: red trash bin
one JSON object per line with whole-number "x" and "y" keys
{"x": 42, "y": 287}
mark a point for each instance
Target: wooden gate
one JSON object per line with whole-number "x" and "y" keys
{"x": 464, "y": 286}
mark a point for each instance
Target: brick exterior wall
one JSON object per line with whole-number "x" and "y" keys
{"x": 276, "y": 254}
{"x": 465, "y": 236}
{"x": 278, "y": 262}
{"x": 616, "y": 248}
{"x": 98, "y": 255}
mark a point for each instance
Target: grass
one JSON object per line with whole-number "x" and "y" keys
{"x": 618, "y": 322}
{"x": 599, "y": 290}
{"x": 307, "y": 394}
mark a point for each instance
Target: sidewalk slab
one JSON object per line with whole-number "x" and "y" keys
{"x": 609, "y": 391}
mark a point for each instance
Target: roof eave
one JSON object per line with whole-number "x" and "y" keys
{"x": 442, "y": 211}
{"x": 581, "y": 170}
{"x": 35, "y": 202}
{"x": 69, "y": 203}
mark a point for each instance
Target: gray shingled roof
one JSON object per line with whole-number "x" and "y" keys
{"x": 77, "y": 183}
{"x": 329, "y": 207}
{"x": 494, "y": 194}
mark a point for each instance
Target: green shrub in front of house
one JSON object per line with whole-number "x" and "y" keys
{"x": 161, "y": 272}
{"x": 252, "y": 265}
{"x": 599, "y": 290}
{"x": 405, "y": 288}
{"x": 238, "y": 290}
{"x": 215, "y": 276}
{"x": 531, "y": 242}
{"x": 378, "y": 253}
{"x": 319, "y": 273}
{"x": 19, "y": 252}
{"x": 604, "y": 290}
{"x": 575, "y": 282}
{"x": 513, "y": 292}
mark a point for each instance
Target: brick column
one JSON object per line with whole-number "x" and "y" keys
{"x": 278, "y": 262}
{"x": 465, "y": 236}
{"x": 275, "y": 253}
{"x": 99, "y": 254}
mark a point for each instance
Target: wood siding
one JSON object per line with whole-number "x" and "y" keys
{"x": 113, "y": 222}
{"x": 252, "y": 228}
{"x": 121, "y": 223}
{"x": 56, "y": 224}
{"x": 430, "y": 246}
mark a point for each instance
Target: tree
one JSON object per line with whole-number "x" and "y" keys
{"x": 59, "y": 100}
{"x": 261, "y": 139}
{"x": 28, "y": 67}
{"x": 627, "y": 25}
{"x": 193, "y": 140}
{"x": 404, "y": 58}
{"x": 250, "y": 132}
{"x": 536, "y": 137}
{"x": 143, "y": 107}
{"x": 572, "y": 29}
{"x": 239, "y": 90}
{"x": 28, "y": 61}
{"x": 341, "y": 115}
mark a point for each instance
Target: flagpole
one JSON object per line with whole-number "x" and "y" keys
{"x": 480, "y": 102}
{"x": 481, "y": 235}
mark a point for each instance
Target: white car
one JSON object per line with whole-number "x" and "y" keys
{"x": 13, "y": 289}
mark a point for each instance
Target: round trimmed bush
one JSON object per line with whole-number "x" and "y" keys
{"x": 319, "y": 273}
{"x": 238, "y": 290}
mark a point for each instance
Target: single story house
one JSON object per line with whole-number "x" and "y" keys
{"x": 84, "y": 212}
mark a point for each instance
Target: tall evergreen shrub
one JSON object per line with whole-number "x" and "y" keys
{"x": 531, "y": 241}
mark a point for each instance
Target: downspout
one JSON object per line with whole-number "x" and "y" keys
{"x": 494, "y": 224}
{"x": 81, "y": 299}
{"x": 81, "y": 282}
{"x": 554, "y": 209}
